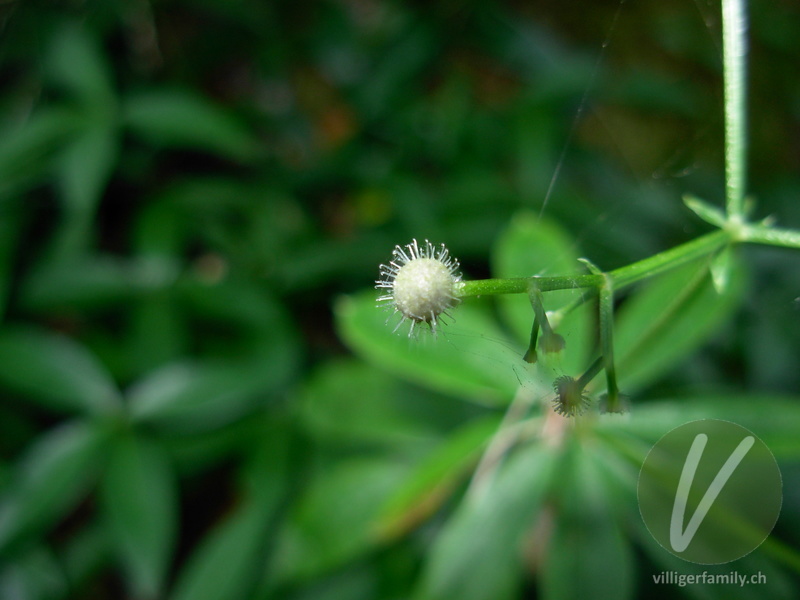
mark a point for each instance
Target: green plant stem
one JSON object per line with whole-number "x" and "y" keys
{"x": 706, "y": 245}
{"x": 590, "y": 374}
{"x": 734, "y": 44}
{"x": 606, "y": 322}
{"x": 773, "y": 236}
{"x": 521, "y": 285}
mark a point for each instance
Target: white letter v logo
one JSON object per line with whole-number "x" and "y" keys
{"x": 680, "y": 540}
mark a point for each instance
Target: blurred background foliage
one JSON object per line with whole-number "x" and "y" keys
{"x": 188, "y": 188}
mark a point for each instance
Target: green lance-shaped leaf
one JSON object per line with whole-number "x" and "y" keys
{"x": 190, "y": 397}
{"x": 470, "y": 357}
{"x": 775, "y": 419}
{"x": 54, "y": 474}
{"x": 335, "y": 521}
{"x": 85, "y": 554}
{"x": 229, "y": 561}
{"x": 139, "y": 502}
{"x": 478, "y": 554}
{"x": 84, "y": 169}
{"x": 76, "y": 63}
{"x": 26, "y": 151}
{"x": 97, "y": 280}
{"x": 708, "y": 212}
{"x": 55, "y": 372}
{"x": 434, "y": 479}
{"x": 182, "y": 119}
{"x": 345, "y": 401}
{"x": 34, "y": 575}
{"x": 586, "y": 554}
{"x": 667, "y": 319}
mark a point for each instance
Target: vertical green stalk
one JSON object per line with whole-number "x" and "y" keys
{"x": 734, "y": 50}
{"x": 530, "y": 354}
{"x": 550, "y": 341}
{"x": 606, "y": 317}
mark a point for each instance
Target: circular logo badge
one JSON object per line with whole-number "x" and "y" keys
{"x": 710, "y": 491}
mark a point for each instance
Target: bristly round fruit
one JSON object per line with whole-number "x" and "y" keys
{"x": 420, "y": 282}
{"x": 570, "y": 400}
